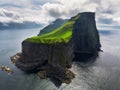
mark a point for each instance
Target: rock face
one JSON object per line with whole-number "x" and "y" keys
{"x": 85, "y": 34}
{"x": 50, "y": 59}
{"x": 54, "y": 59}
{"x": 35, "y": 56}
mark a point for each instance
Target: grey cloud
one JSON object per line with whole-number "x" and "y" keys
{"x": 42, "y": 11}
{"x": 55, "y": 13}
{"x": 20, "y": 16}
{"x": 41, "y": 2}
{"x": 10, "y": 5}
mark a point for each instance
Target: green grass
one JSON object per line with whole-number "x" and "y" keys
{"x": 54, "y": 25}
{"x": 61, "y": 34}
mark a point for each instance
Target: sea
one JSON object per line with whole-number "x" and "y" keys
{"x": 100, "y": 74}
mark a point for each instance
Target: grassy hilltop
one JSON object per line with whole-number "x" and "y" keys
{"x": 61, "y": 34}
{"x": 52, "y": 26}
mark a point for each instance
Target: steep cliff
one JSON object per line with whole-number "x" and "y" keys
{"x": 52, "y": 53}
{"x": 35, "y": 56}
{"x": 85, "y": 34}
{"x": 48, "y": 59}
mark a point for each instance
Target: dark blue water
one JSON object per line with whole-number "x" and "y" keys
{"x": 102, "y": 74}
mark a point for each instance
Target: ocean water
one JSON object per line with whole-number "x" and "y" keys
{"x": 101, "y": 74}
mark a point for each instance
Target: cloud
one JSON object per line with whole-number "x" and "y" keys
{"x": 23, "y": 11}
{"x": 107, "y": 11}
{"x": 20, "y": 16}
{"x": 66, "y": 8}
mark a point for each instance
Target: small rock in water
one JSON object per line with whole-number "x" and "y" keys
{"x": 5, "y": 68}
{"x": 69, "y": 75}
{"x": 15, "y": 58}
{"x": 42, "y": 74}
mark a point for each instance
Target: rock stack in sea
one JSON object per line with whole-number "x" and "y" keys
{"x": 55, "y": 59}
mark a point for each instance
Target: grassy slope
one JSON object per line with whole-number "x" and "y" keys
{"x": 54, "y": 25}
{"x": 61, "y": 34}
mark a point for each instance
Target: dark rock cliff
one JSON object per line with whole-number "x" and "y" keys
{"x": 85, "y": 34}
{"x": 35, "y": 56}
{"x": 54, "y": 59}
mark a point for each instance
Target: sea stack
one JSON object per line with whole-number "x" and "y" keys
{"x": 51, "y": 54}
{"x": 86, "y": 37}
{"x": 85, "y": 34}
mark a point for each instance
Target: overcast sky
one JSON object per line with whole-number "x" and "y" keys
{"x": 45, "y": 11}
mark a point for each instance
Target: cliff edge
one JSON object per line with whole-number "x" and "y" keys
{"x": 85, "y": 34}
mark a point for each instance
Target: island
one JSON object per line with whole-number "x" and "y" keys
{"x": 51, "y": 53}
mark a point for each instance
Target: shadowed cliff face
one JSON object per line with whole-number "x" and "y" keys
{"x": 85, "y": 34}
{"x": 35, "y": 56}
{"x": 54, "y": 59}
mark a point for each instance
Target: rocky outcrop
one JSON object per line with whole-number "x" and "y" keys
{"x": 7, "y": 69}
{"x": 53, "y": 60}
{"x": 85, "y": 34}
{"x": 36, "y": 55}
